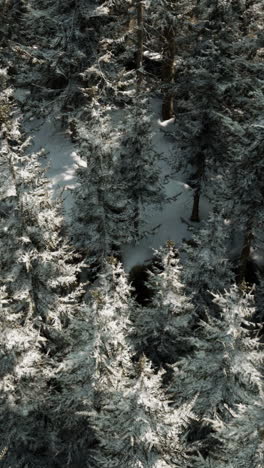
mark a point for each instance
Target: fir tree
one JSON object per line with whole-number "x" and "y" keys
{"x": 41, "y": 295}
{"x": 96, "y": 364}
{"x": 207, "y": 266}
{"x": 162, "y": 328}
{"x": 169, "y": 19}
{"x": 225, "y": 368}
{"x": 122, "y": 402}
{"x": 242, "y": 439}
{"x": 139, "y": 166}
{"x": 138, "y": 428}
{"x": 101, "y": 216}
{"x": 205, "y": 123}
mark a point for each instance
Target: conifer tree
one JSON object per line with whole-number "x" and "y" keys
{"x": 92, "y": 369}
{"x": 122, "y": 402}
{"x": 242, "y": 439}
{"x": 247, "y": 193}
{"x": 169, "y": 19}
{"x": 163, "y": 327}
{"x": 138, "y": 428}
{"x": 224, "y": 371}
{"x": 207, "y": 266}
{"x": 102, "y": 211}
{"x": 41, "y": 295}
{"x": 139, "y": 165}
{"x": 206, "y": 83}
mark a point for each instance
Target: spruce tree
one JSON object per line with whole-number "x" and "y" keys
{"x": 139, "y": 165}
{"x": 224, "y": 370}
{"x": 162, "y": 328}
{"x": 169, "y": 20}
{"x": 242, "y": 439}
{"x": 41, "y": 295}
{"x": 205, "y": 123}
{"x": 207, "y": 266}
{"x": 122, "y": 401}
{"x": 102, "y": 211}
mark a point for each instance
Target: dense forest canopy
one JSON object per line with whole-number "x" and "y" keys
{"x": 131, "y": 233}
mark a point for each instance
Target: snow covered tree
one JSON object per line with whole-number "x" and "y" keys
{"x": 207, "y": 83}
{"x": 40, "y": 297}
{"x": 94, "y": 364}
{"x": 162, "y": 328}
{"x": 102, "y": 212}
{"x": 25, "y": 370}
{"x": 242, "y": 439}
{"x": 224, "y": 370}
{"x": 139, "y": 165}
{"x": 207, "y": 267}
{"x": 169, "y": 19}
{"x": 246, "y": 168}
{"x": 127, "y": 416}
{"x": 36, "y": 264}
{"x": 138, "y": 427}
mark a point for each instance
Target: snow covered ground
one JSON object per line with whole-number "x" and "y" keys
{"x": 169, "y": 219}
{"x": 62, "y": 160}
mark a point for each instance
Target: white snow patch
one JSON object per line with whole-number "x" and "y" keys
{"x": 62, "y": 158}
{"x": 180, "y": 199}
{"x": 152, "y": 55}
{"x": 165, "y": 123}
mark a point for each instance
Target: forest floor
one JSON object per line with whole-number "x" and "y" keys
{"x": 170, "y": 222}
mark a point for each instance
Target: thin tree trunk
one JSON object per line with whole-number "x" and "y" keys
{"x": 136, "y": 218}
{"x": 195, "y": 209}
{"x": 245, "y": 253}
{"x": 197, "y": 187}
{"x": 140, "y": 40}
{"x": 168, "y": 106}
{"x": 168, "y": 74}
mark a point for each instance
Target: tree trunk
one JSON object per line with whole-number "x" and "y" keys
{"x": 195, "y": 210}
{"x": 140, "y": 37}
{"x": 136, "y": 219}
{"x": 168, "y": 73}
{"x": 245, "y": 253}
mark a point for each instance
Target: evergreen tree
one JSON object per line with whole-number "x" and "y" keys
{"x": 123, "y": 403}
{"x": 138, "y": 428}
{"x": 225, "y": 368}
{"x": 170, "y": 22}
{"x": 139, "y": 166}
{"x": 207, "y": 267}
{"x": 205, "y": 122}
{"x": 163, "y": 327}
{"x": 41, "y": 294}
{"x": 95, "y": 364}
{"x": 247, "y": 193}
{"x": 242, "y": 439}
{"x": 102, "y": 211}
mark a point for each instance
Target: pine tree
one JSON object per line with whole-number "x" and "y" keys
{"x": 121, "y": 402}
{"x": 138, "y": 428}
{"x": 139, "y": 166}
{"x": 225, "y": 368}
{"x": 163, "y": 327}
{"x": 222, "y": 372}
{"x": 40, "y": 296}
{"x": 207, "y": 83}
{"x": 96, "y": 364}
{"x": 102, "y": 211}
{"x": 247, "y": 193}
{"x": 169, "y": 20}
{"x": 242, "y": 439}
{"x": 207, "y": 266}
